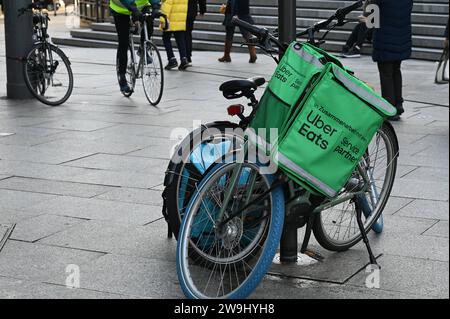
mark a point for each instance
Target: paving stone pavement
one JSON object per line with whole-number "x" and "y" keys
{"x": 82, "y": 182}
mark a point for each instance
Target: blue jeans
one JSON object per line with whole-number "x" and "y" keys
{"x": 180, "y": 37}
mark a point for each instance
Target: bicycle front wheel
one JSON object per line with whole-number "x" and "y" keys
{"x": 152, "y": 74}
{"x": 336, "y": 228}
{"x": 227, "y": 256}
{"x": 48, "y": 74}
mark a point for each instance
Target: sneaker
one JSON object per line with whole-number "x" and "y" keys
{"x": 394, "y": 118}
{"x": 123, "y": 83}
{"x": 345, "y": 50}
{"x": 400, "y": 109}
{"x": 172, "y": 64}
{"x": 189, "y": 61}
{"x": 184, "y": 64}
{"x": 354, "y": 52}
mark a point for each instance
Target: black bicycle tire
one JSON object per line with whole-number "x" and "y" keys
{"x": 66, "y": 61}
{"x": 173, "y": 175}
{"x": 161, "y": 92}
{"x": 319, "y": 232}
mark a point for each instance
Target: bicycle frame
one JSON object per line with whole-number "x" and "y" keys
{"x": 326, "y": 204}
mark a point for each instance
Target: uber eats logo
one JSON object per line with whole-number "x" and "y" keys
{"x": 316, "y": 130}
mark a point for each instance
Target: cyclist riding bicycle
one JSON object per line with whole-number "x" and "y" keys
{"x": 122, "y": 10}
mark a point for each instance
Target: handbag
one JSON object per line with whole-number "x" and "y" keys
{"x": 442, "y": 76}
{"x": 223, "y": 8}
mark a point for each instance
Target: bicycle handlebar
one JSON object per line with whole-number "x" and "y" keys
{"x": 341, "y": 13}
{"x": 263, "y": 34}
{"x": 258, "y": 32}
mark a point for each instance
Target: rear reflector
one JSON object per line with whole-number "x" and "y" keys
{"x": 235, "y": 109}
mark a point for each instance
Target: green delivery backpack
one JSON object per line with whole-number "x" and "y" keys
{"x": 299, "y": 64}
{"x": 329, "y": 132}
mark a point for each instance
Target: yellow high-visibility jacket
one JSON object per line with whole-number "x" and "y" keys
{"x": 176, "y": 11}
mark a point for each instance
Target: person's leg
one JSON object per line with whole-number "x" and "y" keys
{"x": 251, "y": 49}
{"x": 189, "y": 30}
{"x": 180, "y": 37}
{"x": 386, "y": 70}
{"x": 122, "y": 23}
{"x": 353, "y": 47}
{"x": 167, "y": 36}
{"x": 361, "y": 35}
{"x": 228, "y": 45}
{"x": 398, "y": 84}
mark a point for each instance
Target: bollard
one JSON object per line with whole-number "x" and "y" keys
{"x": 18, "y": 42}
{"x": 287, "y": 26}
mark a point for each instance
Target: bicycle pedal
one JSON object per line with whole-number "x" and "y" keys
{"x": 314, "y": 255}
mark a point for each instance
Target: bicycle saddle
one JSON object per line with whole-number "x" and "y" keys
{"x": 238, "y": 88}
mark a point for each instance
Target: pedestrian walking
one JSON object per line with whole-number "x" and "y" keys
{"x": 194, "y": 8}
{"x": 361, "y": 33}
{"x": 241, "y": 9}
{"x": 121, "y": 11}
{"x": 392, "y": 44}
{"x": 176, "y": 11}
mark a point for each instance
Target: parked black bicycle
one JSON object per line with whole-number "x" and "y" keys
{"x": 46, "y": 69}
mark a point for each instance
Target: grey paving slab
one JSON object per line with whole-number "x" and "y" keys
{"x": 133, "y": 195}
{"x": 120, "y": 163}
{"x": 17, "y": 200}
{"x": 274, "y": 287}
{"x": 132, "y": 276}
{"x": 39, "y": 170}
{"x": 75, "y": 125}
{"x": 156, "y": 151}
{"x": 410, "y": 245}
{"x": 25, "y": 140}
{"x": 53, "y": 187}
{"x": 421, "y": 189}
{"x": 396, "y": 224}
{"x": 42, "y": 226}
{"x": 48, "y": 156}
{"x": 11, "y": 288}
{"x": 120, "y": 178}
{"x": 144, "y": 241}
{"x": 394, "y": 204}
{"x": 426, "y": 209}
{"x": 91, "y": 146}
{"x": 411, "y": 275}
{"x": 41, "y": 263}
{"x": 77, "y": 207}
{"x": 11, "y": 216}
{"x": 2, "y": 177}
{"x": 336, "y": 268}
{"x": 428, "y": 174}
{"x": 440, "y": 229}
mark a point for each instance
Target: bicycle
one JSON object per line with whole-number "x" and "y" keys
{"x": 149, "y": 68}
{"x": 233, "y": 223}
{"x": 47, "y": 70}
{"x": 192, "y": 156}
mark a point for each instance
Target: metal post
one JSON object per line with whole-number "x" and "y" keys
{"x": 287, "y": 26}
{"x": 287, "y": 20}
{"x": 18, "y": 41}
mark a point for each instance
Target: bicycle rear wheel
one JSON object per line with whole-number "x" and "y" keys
{"x": 217, "y": 258}
{"x": 195, "y": 155}
{"x": 131, "y": 71}
{"x": 152, "y": 74}
{"x": 336, "y": 228}
{"x": 48, "y": 74}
